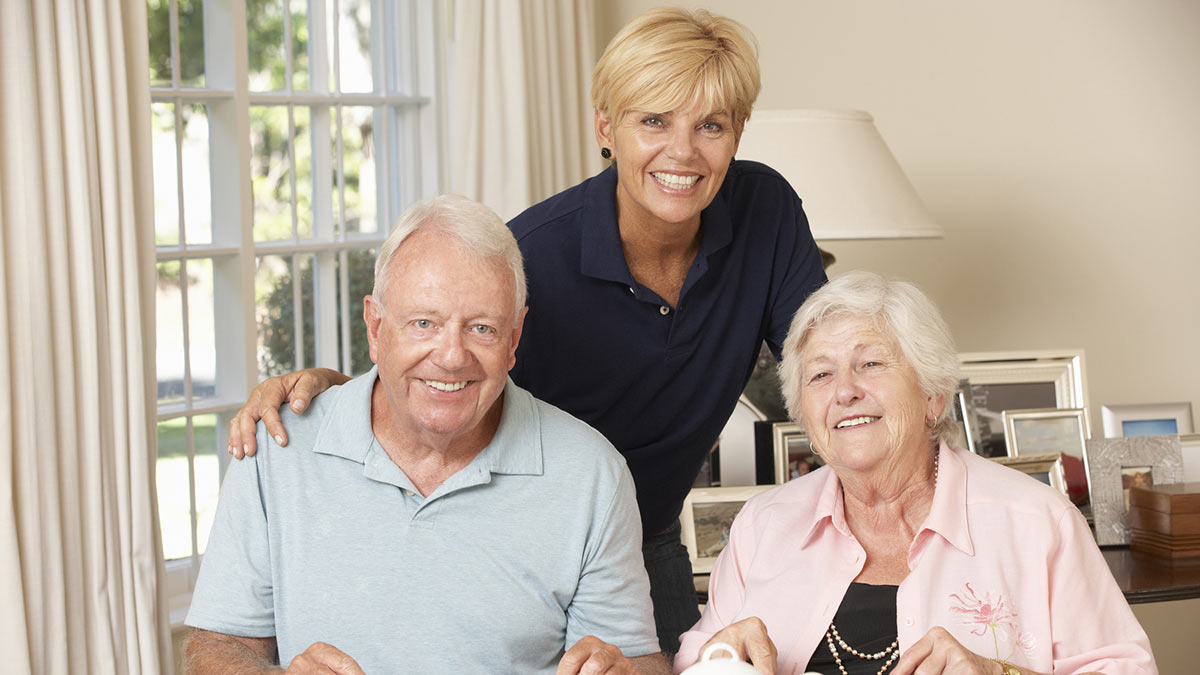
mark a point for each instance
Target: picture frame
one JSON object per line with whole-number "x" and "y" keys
{"x": 1115, "y": 464}
{"x": 962, "y": 411}
{"x": 707, "y": 515}
{"x": 792, "y": 455}
{"x": 1147, "y": 419}
{"x": 1189, "y": 445}
{"x": 1052, "y": 430}
{"x": 1046, "y": 430}
{"x": 1020, "y": 381}
{"x": 1045, "y": 467}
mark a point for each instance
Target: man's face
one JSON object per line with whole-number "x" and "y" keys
{"x": 445, "y": 341}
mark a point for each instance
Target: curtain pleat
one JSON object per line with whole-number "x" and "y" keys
{"x": 76, "y": 211}
{"x": 520, "y": 126}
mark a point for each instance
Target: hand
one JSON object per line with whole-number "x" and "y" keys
{"x": 749, "y": 637}
{"x": 939, "y": 652}
{"x": 592, "y": 656}
{"x": 324, "y": 659}
{"x": 264, "y": 402}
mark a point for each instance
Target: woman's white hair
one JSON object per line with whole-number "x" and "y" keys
{"x": 472, "y": 223}
{"x": 897, "y": 308}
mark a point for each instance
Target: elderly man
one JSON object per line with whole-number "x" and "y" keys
{"x": 430, "y": 515}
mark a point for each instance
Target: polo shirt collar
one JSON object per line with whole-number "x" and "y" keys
{"x": 947, "y": 515}
{"x": 515, "y": 449}
{"x": 601, "y": 255}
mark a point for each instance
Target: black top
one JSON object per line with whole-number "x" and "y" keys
{"x": 659, "y": 381}
{"x": 866, "y": 620}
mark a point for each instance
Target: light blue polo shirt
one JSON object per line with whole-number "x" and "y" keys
{"x": 533, "y": 545}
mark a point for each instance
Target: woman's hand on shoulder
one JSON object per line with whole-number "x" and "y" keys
{"x": 298, "y": 388}
{"x": 939, "y": 652}
{"x": 749, "y": 637}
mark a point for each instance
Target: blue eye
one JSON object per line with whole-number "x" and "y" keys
{"x": 482, "y": 329}
{"x": 423, "y": 324}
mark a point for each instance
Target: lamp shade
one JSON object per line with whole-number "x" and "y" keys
{"x": 851, "y": 184}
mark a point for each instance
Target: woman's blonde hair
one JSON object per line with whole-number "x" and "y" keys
{"x": 669, "y": 57}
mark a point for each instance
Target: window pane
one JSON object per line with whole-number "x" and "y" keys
{"x": 174, "y": 496}
{"x": 358, "y": 169}
{"x": 208, "y": 475}
{"x": 269, "y": 173}
{"x": 299, "y": 9}
{"x": 264, "y": 31}
{"x": 197, "y": 189}
{"x": 361, "y": 270}
{"x": 169, "y": 329}
{"x": 158, "y": 24}
{"x": 304, "y": 172}
{"x": 276, "y": 314}
{"x": 191, "y": 43}
{"x": 202, "y": 351}
{"x": 354, "y": 45}
{"x": 166, "y": 189}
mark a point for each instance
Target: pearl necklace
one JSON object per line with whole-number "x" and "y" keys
{"x": 832, "y": 634}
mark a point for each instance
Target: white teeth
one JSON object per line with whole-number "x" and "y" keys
{"x": 865, "y": 419}
{"x": 445, "y": 386}
{"x": 674, "y": 181}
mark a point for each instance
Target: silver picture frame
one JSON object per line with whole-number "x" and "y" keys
{"x": 1019, "y": 380}
{"x": 707, "y": 516}
{"x": 1147, "y": 419}
{"x": 1046, "y": 467}
{"x": 1114, "y": 465}
{"x": 794, "y": 455}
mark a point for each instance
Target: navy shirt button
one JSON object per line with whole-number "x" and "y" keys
{"x": 664, "y": 310}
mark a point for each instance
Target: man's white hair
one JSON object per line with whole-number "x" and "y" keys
{"x": 472, "y": 223}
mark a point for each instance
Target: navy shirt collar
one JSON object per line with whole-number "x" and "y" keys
{"x": 600, "y": 254}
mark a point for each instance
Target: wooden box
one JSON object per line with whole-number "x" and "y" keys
{"x": 1164, "y": 520}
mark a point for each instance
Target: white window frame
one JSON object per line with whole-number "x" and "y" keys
{"x": 409, "y": 76}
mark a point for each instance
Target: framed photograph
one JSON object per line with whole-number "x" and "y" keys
{"x": 794, "y": 456}
{"x": 1116, "y": 464}
{"x": 1190, "y": 445}
{"x": 1002, "y": 381}
{"x": 733, "y": 462}
{"x": 1045, "y": 430}
{"x": 962, "y": 410}
{"x": 1048, "y": 468}
{"x": 708, "y": 514}
{"x": 1151, "y": 419}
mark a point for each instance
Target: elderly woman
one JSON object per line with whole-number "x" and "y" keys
{"x": 652, "y": 285}
{"x": 904, "y": 552}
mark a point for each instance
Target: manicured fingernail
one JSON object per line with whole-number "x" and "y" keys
{"x": 245, "y": 449}
{"x": 298, "y": 406}
{"x": 279, "y": 439}
{"x": 229, "y": 449}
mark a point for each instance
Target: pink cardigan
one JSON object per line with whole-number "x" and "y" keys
{"x": 1003, "y": 562}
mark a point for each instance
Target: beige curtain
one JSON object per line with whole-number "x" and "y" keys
{"x": 521, "y": 114}
{"x": 80, "y": 559}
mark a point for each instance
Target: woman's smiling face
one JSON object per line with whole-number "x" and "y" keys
{"x": 859, "y": 396}
{"x": 669, "y": 164}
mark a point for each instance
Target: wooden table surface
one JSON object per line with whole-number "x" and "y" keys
{"x": 1145, "y": 578}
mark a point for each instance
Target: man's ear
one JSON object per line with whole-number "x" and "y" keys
{"x": 373, "y": 317}
{"x": 604, "y": 130}
{"x": 516, "y": 336}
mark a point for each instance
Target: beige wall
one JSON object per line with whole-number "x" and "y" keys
{"x": 1058, "y": 144}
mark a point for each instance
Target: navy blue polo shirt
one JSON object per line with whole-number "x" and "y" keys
{"x": 659, "y": 381}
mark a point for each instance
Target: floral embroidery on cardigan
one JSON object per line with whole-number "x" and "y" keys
{"x": 991, "y": 615}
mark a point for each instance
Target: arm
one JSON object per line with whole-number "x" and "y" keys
{"x": 264, "y": 401}
{"x": 592, "y": 655}
{"x": 209, "y": 653}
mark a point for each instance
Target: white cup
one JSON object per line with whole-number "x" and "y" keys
{"x": 720, "y": 666}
